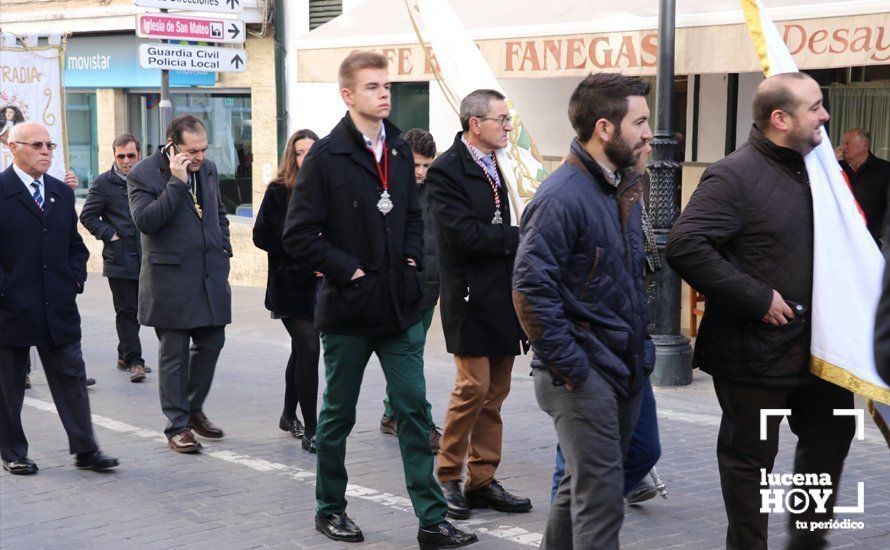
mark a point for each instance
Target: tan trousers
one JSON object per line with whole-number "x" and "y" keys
{"x": 473, "y": 426}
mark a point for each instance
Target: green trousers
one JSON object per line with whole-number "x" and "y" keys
{"x": 426, "y": 317}
{"x": 401, "y": 356}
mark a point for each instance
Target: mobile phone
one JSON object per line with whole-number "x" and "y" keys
{"x": 170, "y": 149}
{"x": 797, "y": 308}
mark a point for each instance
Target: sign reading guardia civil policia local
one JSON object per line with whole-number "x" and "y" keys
{"x": 191, "y": 58}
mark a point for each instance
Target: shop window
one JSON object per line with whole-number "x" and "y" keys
{"x": 83, "y": 148}
{"x": 410, "y": 105}
{"x": 227, "y": 118}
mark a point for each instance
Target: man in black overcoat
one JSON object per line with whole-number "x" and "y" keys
{"x": 106, "y": 215}
{"x": 184, "y": 279}
{"x": 477, "y": 245}
{"x": 42, "y": 269}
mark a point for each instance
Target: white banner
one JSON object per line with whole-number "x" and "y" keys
{"x": 31, "y": 89}
{"x": 460, "y": 68}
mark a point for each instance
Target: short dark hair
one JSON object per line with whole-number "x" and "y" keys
{"x": 602, "y": 96}
{"x": 357, "y": 61}
{"x": 183, "y": 123}
{"x": 774, "y": 94}
{"x": 477, "y": 104}
{"x": 123, "y": 139}
{"x": 421, "y": 142}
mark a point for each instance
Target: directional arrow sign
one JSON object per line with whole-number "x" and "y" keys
{"x": 199, "y": 29}
{"x": 192, "y": 58}
{"x": 216, "y": 6}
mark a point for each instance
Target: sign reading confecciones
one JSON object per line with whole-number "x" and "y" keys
{"x": 172, "y": 27}
{"x": 192, "y": 58}
{"x": 216, "y": 6}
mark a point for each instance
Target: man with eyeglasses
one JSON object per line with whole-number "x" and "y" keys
{"x": 42, "y": 269}
{"x": 106, "y": 214}
{"x": 184, "y": 277}
{"x": 477, "y": 245}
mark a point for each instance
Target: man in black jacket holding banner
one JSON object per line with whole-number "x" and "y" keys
{"x": 745, "y": 240}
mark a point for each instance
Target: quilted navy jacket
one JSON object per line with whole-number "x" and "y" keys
{"x": 578, "y": 277}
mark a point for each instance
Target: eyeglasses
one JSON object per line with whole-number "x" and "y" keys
{"x": 123, "y": 156}
{"x": 38, "y": 145}
{"x": 503, "y": 120}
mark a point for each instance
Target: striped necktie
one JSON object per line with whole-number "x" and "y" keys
{"x": 38, "y": 198}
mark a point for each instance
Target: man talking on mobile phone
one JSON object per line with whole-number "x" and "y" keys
{"x": 183, "y": 283}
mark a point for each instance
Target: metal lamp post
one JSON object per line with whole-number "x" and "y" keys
{"x": 673, "y": 353}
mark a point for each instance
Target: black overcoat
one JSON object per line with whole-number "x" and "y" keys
{"x": 475, "y": 257}
{"x": 106, "y": 213}
{"x": 291, "y": 289}
{"x": 184, "y": 280}
{"x": 42, "y": 264}
{"x": 333, "y": 226}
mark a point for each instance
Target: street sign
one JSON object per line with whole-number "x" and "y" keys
{"x": 199, "y": 29}
{"x": 192, "y": 58}
{"x": 216, "y": 6}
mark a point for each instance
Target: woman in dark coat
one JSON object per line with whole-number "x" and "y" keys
{"x": 291, "y": 293}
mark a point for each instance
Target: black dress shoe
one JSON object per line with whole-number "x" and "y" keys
{"x": 291, "y": 426}
{"x": 95, "y": 461}
{"x": 27, "y": 381}
{"x": 496, "y": 497}
{"x": 338, "y": 527}
{"x": 443, "y": 535}
{"x": 91, "y": 381}
{"x": 309, "y": 443}
{"x": 454, "y": 497}
{"x": 22, "y": 467}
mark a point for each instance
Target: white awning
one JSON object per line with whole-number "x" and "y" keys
{"x": 535, "y": 38}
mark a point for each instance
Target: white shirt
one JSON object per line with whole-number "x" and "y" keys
{"x": 378, "y": 149}
{"x": 28, "y": 180}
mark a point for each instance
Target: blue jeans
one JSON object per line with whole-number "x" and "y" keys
{"x": 644, "y": 451}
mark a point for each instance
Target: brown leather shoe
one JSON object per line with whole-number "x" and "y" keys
{"x": 204, "y": 427}
{"x": 184, "y": 442}
{"x": 137, "y": 373}
{"x": 122, "y": 365}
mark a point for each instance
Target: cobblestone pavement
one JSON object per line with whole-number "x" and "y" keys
{"x": 254, "y": 489}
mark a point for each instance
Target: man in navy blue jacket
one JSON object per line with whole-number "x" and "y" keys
{"x": 578, "y": 290}
{"x": 42, "y": 269}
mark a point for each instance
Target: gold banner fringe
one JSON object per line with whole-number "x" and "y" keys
{"x": 755, "y": 29}
{"x": 836, "y": 375}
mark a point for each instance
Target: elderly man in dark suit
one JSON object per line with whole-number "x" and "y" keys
{"x": 183, "y": 283}
{"x": 477, "y": 246}
{"x": 42, "y": 269}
